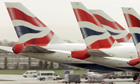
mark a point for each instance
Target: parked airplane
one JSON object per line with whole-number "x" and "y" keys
{"x": 38, "y": 41}
{"x": 119, "y": 56}
{"x": 133, "y": 21}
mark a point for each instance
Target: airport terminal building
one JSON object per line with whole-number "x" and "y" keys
{"x": 12, "y": 61}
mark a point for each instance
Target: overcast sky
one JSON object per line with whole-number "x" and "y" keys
{"x": 58, "y": 15}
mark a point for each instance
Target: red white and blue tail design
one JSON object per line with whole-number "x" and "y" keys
{"x": 115, "y": 29}
{"x": 95, "y": 36}
{"x": 29, "y": 28}
{"x": 133, "y": 22}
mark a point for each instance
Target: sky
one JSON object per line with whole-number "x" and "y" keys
{"x": 59, "y": 17}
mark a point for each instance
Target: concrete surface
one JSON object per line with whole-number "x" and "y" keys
{"x": 18, "y": 79}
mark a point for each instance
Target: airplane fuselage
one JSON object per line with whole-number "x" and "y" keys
{"x": 117, "y": 59}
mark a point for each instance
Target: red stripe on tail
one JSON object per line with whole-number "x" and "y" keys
{"x": 43, "y": 41}
{"x": 134, "y": 21}
{"x": 105, "y": 43}
{"x": 17, "y": 14}
{"x": 82, "y": 15}
{"x": 124, "y": 39}
{"x": 111, "y": 24}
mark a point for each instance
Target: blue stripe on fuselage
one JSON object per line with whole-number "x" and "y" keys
{"x": 101, "y": 68}
{"x": 21, "y": 30}
{"x": 130, "y": 68}
{"x": 94, "y": 67}
{"x": 86, "y": 32}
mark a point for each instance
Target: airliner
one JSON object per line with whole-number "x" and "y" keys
{"x": 101, "y": 52}
{"x": 102, "y": 48}
{"x": 133, "y": 21}
{"x": 38, "y": 41}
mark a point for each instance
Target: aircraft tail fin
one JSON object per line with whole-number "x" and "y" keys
{"x": 133, "y": 21}
{"x": 115, "y": 29}
{"x": 95, "y": 36}
{"x": 30, "y": 30}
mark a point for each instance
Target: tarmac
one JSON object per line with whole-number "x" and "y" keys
{"x": 18, "y": 79}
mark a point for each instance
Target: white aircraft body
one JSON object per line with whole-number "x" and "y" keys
{"x": 38, "y": 41}
{"x": 102, "y": 48}
{"x": 101, "y": 53}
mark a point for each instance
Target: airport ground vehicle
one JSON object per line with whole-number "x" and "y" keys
{"x": 122, "y": 75}
{"x": 49, "y": 75}
{"x": 69, "y": 78}
{"x": 30, "y": 74}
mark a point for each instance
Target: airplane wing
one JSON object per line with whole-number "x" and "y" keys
{"x": 36, "y": 49}
{"x": 96, "y": 52}
{"x": 28, "y": 49}
{"x": 5, "y": 49}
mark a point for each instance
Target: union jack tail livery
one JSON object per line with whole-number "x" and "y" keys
{"x": 95, "y": 36}
{"x": 133, "y": 22}
{"x": 30, "y": 30}
{"x": 115, "y": 29}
